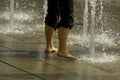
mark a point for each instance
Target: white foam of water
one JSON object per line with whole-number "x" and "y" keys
{"x": 17, "y": 16}
{"x": 5, "y": 15}
{"x": 13, "y": 30}
{"x": 20, "y": 29}
{"x": 22, "y": 16}
{"x": 104, "y": 39}
{"x": 85, "y": 41}
{"x": 78, "y": 39}
{"x": 98, "y": 59}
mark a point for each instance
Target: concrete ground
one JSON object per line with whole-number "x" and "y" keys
{"x": 23, "y": 58}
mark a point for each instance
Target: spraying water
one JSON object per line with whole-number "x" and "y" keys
{"x": 92, "y": 35}
{"x": 100, "y": 17}
{"x": 12, "y": 13}
{"x": 45, "y": 9}
{"x": 85, "y": 25}
{"x": 85, "y": 22}
{"x": 95, "y": 57}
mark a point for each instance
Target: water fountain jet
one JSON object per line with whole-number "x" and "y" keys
{"x": 85, "y": 22}
{"x": 93, "y": 24}
{"x": 12, "y": 12}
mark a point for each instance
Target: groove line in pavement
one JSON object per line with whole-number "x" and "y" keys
{"x": 40, "y": 77}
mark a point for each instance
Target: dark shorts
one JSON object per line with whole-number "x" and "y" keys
{"x": 60, "y": 13}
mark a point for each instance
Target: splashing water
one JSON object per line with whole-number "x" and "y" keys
{"x": 21, "y": 16}
{"x": 90, "y": 40}
{"x": 15, "y": 27}
{"x": 104, "y": 58}
{"x": 102, "y": 39}
{"x": 17, "y": 21}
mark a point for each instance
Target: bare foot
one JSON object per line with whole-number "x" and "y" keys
{"x": 52, "y": 50}
{"x": 66, "y": 55}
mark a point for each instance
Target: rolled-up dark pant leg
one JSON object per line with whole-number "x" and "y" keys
{"x": 66, "y": 8}
{"x": 52, "y": 14}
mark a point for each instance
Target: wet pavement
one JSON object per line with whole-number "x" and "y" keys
{"x": 24, "y": 59}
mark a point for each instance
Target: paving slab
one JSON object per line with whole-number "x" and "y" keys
{"x": 112, "y": 67}
{"x": 15, "y": 44}
{"x": 57, "y": 69}
{"x": 29, "y": 56}
{"x": 9, "y": 73}
{"x": 3, "y": 48}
